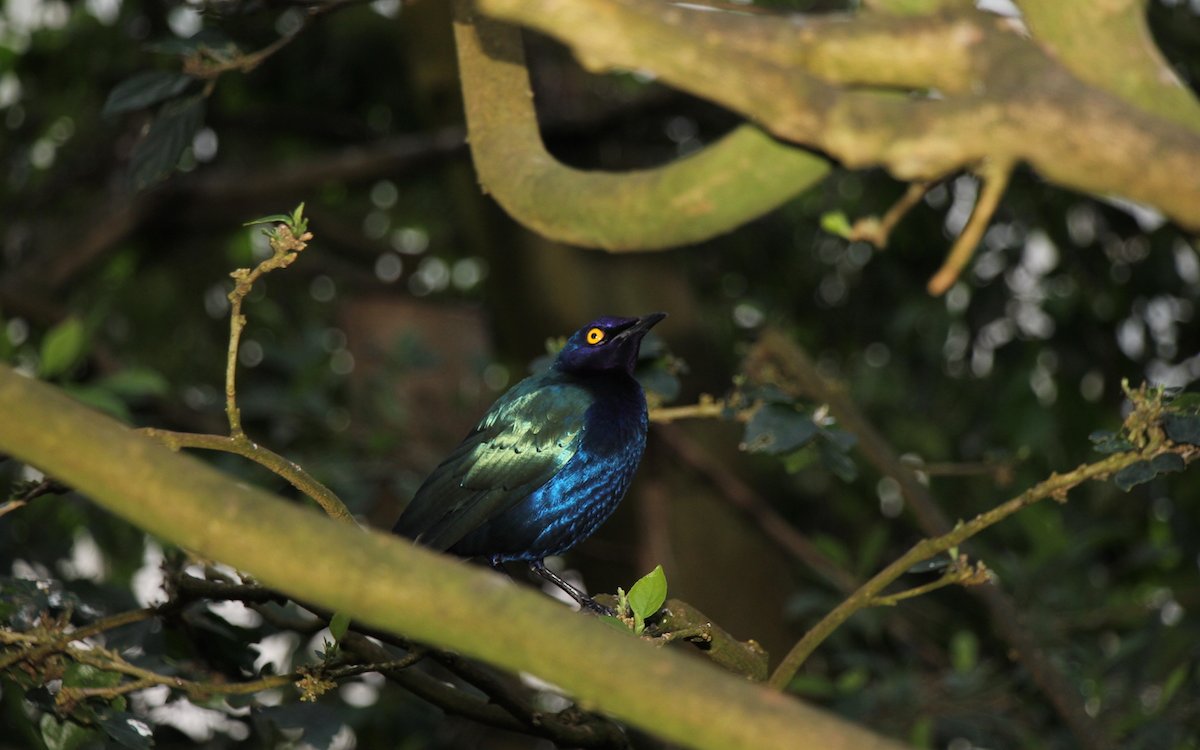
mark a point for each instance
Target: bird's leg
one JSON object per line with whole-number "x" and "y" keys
{"x": 585, "y": 601}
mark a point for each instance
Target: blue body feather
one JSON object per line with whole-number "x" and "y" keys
{"x": 582, "y": 493}
{"x": 550, "y": 460}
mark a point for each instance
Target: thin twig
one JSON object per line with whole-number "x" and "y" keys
{"x": 285, "y": 247}
{"x": 1056, "y": 487}
{"x": 209, "y": 65}
{"x": 287, "y": 240}
{"x": 962, "y": 574}
{"x": 706, "y": 408}
{"x": 277, "y": 464}
{"x": 877, "y": 230}
{"x": 47, "y": 486}
{"x": 63, "y": 640}
{"x": 11, "y": 505}
{"x": 778, "y": 359}
{"x": 1001, "y": 471}
{"x": 994, "y": 176}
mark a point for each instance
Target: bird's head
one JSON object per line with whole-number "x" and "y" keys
{"x": 606, "y": 343}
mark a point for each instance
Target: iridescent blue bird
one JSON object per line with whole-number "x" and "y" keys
{"x": 548, "y": 463}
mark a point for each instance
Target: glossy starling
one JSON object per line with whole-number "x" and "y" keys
{"x": 548, "y": 463}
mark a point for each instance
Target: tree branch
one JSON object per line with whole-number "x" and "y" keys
{"x": 265, "y": 457}
{"x": 877, "y": 230}
{"x": 995, "y": 180}
{"x": 777, "y": 359}
{"x": 1108, "y": 44}
{"x": 385, "y": 583}
{"x": 1055, "y": 487}
{"x": 729, "y": 182}
{"x": 1018, "y": 103}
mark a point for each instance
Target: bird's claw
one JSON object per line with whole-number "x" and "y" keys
{"x": 591, "y": 605}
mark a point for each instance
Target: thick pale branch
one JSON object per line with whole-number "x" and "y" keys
{"x": 385, "y": 583}
{"x": 738, "y": 178}
{"x": 1108, "y": 44}
{"x": 1024, "y": 106}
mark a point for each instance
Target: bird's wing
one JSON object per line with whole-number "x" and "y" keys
{"x": 523, "y": 441}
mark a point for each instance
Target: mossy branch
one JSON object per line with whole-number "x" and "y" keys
{"x": 287, "y": 238}
{"x": 828, "y": 83}
{"x": 265, "y": 457}
{"x": 385, "y": 583}
{"x": 735, "y": 179}
{"x": 1141, "y": 424}
{"x": 680, "y": 621}
{"x": 777, "y": 359}
{"x": 286, "y": 242}
{"x": 311, "y": 681}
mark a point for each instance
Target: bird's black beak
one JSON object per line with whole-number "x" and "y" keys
{"x": 641, "y": 325}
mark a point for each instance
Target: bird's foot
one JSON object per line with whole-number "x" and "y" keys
{"x": 596, "y": 607}
{"x": 584, "y": 601}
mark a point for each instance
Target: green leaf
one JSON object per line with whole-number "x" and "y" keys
{"x": 62, "y": 347}
{"x": 6, "y": 347}
{"x": 778, "y": 428}
{"x": 800, "y": 459}
{"x": 319, "y": 722}
{"x": 835, "y": 222}
{"x": 812, "y": 686}
{"x": 1143, "y": 471}
{"x": 839, "y": 439}
{"x": 214, "y": 41}
{"x": 870, "y": 550}
{"x": 1186, "y": 402}
{"x": 338, "y": 625}
{"x": 658, "y": 379}
{"x": 135, "y": 382}
{"x": 852, "y": 681}
{"x": 648, "y": 594}
{"x": 931, "y": 565}
{"x": 615, "y": 622}
{"x": 836, "y": 461}
{"x": 1167, "y": 463}
{"x": 84, "y": 675}
{"x": 1133, "y": 475}
{"x": 964, "y": 651}
{"x": 298, "y": 223}
{"x": 1182, "y": 428}
{"x": 66, "y": 735}
{"x": 171, "y": 132}
{"x": 921, "y": 734}
{"x": 272, "y": 219}
{"x": 144, "y": 90}
{"x": 126, "y": 730}
{"x": 1174, "y": 682}
{"x": 100, "y": 399}
{"x": 1107, "y": 441}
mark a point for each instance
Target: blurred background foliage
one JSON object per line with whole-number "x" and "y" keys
{"x": 419, "y": 302}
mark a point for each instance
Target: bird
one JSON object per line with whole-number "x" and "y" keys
{"x": 548, "y": 463}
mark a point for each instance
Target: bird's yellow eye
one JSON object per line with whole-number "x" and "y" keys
{"x": 595, "y": 336}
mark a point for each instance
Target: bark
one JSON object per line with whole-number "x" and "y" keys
{"x": 391, "y": 585}
{"x": 858, "y": 88}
